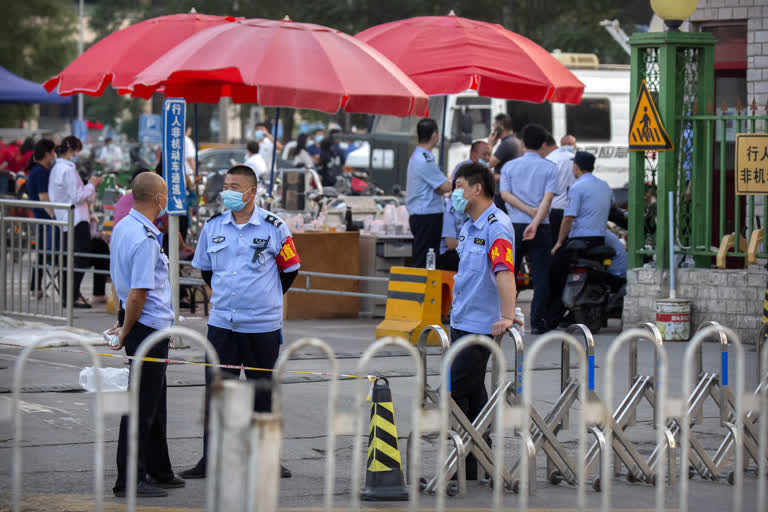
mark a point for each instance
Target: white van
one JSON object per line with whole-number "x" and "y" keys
{"x": 600, "y": 124}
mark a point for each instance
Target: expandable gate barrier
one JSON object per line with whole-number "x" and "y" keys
{"x": 249, "y": 443}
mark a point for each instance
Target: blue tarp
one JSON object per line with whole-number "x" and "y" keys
{"x": 14, "y": 89}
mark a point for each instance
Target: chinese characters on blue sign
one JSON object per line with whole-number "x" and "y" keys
{"x": 151, "y": 129}
{"x": 174, "y": 119}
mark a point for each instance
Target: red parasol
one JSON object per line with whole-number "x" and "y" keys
{"x": 120, "y": 56}
{"x": 282, "y": 63}
{"x": 450, "y": 54}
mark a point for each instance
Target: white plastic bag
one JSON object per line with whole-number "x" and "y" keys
{"x": 113, "y": 379}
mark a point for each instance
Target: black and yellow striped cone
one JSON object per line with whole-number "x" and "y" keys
{"x": 384, "y": 474}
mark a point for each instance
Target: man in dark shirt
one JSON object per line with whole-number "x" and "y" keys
{"x": 37, "y": 190}
{"x": 508, "y": 149}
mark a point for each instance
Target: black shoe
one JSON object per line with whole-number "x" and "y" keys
{"x": 285, "y": 472}
{"x": 196, "y": 472}
{"x": 143, "y": 490}
{"x": 173, "y": 483}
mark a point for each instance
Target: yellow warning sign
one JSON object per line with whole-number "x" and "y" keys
{"x": 752, "y": 164}
{"x": 646, "y": 132}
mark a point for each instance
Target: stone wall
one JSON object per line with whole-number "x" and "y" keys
{"x": 733, "y": 298}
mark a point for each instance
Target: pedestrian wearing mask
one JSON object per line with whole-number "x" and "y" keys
{"x": 139, "y": 272}
{"x": 246, "y": 255}
{"x": 37, "y": 190}
{"x": 66, "y": 186}
{"x": 484, "y": 291}
{"x": 562, "y": 157}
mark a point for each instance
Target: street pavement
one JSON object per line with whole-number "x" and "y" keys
{"x": 58, "y": 428}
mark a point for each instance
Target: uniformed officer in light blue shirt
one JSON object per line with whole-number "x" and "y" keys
{"x": 484, "y": 291}
{"x": 139, "y": 272}
{"x": 424, "y": 189}
{"x": 585, "y": 218}
{"x": 528, "y": 185}
{"x": 248, "y": 258}
{"x": 619, "y": 262}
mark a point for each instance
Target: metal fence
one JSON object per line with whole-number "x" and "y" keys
{"x": 36, "y": 260}
{"x": 252, "y": 442}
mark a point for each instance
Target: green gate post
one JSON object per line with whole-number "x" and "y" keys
{"x": 666, "y": 66}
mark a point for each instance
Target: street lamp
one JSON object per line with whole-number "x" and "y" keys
{"x": 673, "y": 12}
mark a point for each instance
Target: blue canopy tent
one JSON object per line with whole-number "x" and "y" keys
{"x": 14, "y": 89}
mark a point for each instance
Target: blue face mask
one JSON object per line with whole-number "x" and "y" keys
{"x": 233, "y": 200}
{"x": 568, "y": 148}
{"x": 258, "y": 135}
{"x": 318, "y": 139}
{"x": 482, "y": 162}
{"x": 164, "y": 210}
{"x": 74, "y": 158}
{"x": 457, "y": 198}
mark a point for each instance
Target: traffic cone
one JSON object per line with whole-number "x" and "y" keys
{"x": 384, "y": 474}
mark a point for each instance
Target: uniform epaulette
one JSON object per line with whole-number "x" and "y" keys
{"x": 273, "y": 220}
{"x": 214, "y": 216}
{"x": 149, "y": 233}
{"x": 492, "y": 218}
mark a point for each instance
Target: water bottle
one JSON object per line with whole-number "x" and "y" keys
{"x": 431, "y": 259}
{"x": 112, "y": 339}
{"x": 521, "y": 317}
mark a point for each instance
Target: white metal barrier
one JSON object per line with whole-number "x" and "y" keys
{"x": 254, "y": 438}
{"x": 33, "y": 258}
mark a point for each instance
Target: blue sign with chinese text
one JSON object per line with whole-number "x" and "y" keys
{"x": 151, "y": 129}
{"x": 174, "y": 121}
{"x": 80, "y": 130}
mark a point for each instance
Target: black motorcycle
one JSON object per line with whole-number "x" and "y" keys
{"x": 592, "y": 295}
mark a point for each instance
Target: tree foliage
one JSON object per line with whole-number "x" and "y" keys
{"x": 37, "y": 41}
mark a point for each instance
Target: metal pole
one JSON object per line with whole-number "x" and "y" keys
{"x": 3, "y": 261}
{"x": 197, "y": 142}
{"x": 80, "y": 42}
{"x": 672, "y": 291}
{"x": 70, "y": 263}
{"x": 443, "y": 164}
{"x": 274, "y": 152}
{"x": 173, "y": 269}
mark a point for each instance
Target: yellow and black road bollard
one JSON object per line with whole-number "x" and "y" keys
{"x": 384, "y": 474}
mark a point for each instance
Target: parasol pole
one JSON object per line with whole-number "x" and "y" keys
{"x": 80, "y": 43}
{"x": 274, "y": 152}
{"x": 443, "y": 163}
{"x": 197, "y": 142}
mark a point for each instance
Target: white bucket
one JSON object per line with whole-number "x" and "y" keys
{"x": 673, "y": 318}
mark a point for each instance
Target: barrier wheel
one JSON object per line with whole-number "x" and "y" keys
{"x": 596, "y": 484}
{"x": 555, "y": 478}
{"x": 452, "y": 489}
{"x": 422, "y": 484}
{"x": 731, "y": 478}
{"x": 653, "y": 480}
{"x": 516, "y": 487}
{"x": 691, "y": 472}
{"x": 631, "y": 478}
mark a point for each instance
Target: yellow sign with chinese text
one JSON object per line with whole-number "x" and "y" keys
{"x": 752, "y": 164}
{"x": 646, "y": 131}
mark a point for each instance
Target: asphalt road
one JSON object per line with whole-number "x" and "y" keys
{"x": 58, "y": 428}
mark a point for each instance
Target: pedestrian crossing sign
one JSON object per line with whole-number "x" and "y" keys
{"x": 646, "y": 132}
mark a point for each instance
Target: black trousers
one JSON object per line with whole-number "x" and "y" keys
{"x": 153, "y": 446}
{"x": 257, "y": 350}
{"x": 45, "y": 239}
{"x": 561, "y": 265}
{"x": 539, "y": 252}
{"x": 427, "y": 231}
{"x": 468, "y": 385}
{"x": 555, "y": 221}
{"x": 99, "y": 246}
{"x": 82, "y": 245}
{"x": 449, "y": 260}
